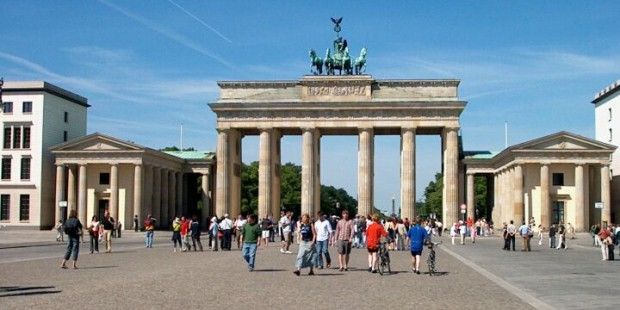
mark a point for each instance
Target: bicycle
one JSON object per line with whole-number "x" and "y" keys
{"x": 384, "y": 257}
{"x": 430, "y": 261}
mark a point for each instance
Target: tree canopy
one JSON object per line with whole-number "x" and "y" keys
{"x": 176, "y": 149}
{"x": 433, "y": 194}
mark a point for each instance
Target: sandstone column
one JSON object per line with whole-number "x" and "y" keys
{"x": 137, "y": 192}
{"x": 147, "y": 194}
{"x": 114, "y": 191}
{"x": 165, "y": 190}
{"x": 264, "y": 174}
{"x": 407, "y": 173}
{"x": 82, "y": 194}
{"x": 545, "y": 204}
{"x": 71, "y": 199}
{"x": 579, "y": 199}
{"x": 605, "y": 195}
{"x": 222, "y": 190}
{"x": 471, "y": 213}
{"x": 275, "y": 173}
{"x": 518, "y": 205}
{"x": 496, "y": 213}
{"x": 365, "y": 171}
{"x": 156, "y": 202}
{"x": 60, "y": 190}
{"x": 234, "y": 149}
{"x": 317, "y": 171}
{"x": 204, "y": 184}
{"x": 308, "y": 171}
{"x": 450, "y": 175}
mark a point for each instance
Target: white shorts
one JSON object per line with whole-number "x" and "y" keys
{"x": 265, "y": 234}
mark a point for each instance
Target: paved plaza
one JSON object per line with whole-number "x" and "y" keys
{"x": 473, "y": 277}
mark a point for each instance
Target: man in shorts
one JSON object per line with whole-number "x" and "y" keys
{"x": 265, "y": 226}
{"x": 344, "y": 238}
{"x": 417, "y": 235}
{"x": 285, "y": 225}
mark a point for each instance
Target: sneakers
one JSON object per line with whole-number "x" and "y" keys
{"x": 288, "y": 252}
{"x": 311, "y": 273}
{"x": 282, "y": 250}
{"x": 297, "y": 273}
{"x": 369, "y": 269}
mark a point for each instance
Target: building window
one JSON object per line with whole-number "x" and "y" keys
{"x": 64, "y": 136}
{"x": 558, "y": 179}
{"x": 17, "y": 137}
{"x": 7, "y": 138}
{"x": 610, "y": 114}
{"x": 24, "y": 207}
{"x": 6, "y": 168}
{"x": 25, "y": 168}
{"x": 5, "y": 207}
{"x": 7, "y": 107}
{"x": 66, "y": 117}
{"x": 104, "y": 178}
{"x": 27, "y": 107}
{"x": 26, "y": 138}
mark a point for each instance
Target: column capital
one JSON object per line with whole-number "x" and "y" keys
{"x": 223, "y": 130}
{"x": 451, "y": 128}
{"x": 306, "y": 129}
{"x": 408, "y": 129}
{"x": 114, "y": 164}
{"x": 265, "y": 129}
{"x": 473, "y": 173}
{"x": 365, "y": 129}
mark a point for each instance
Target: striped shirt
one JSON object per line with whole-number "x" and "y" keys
{"x": 344, "y": 230}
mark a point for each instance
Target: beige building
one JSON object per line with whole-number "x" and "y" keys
{"x": 95, "y": 173}
{"x": 559, "y": 178}
{"x": 35, "y": 116}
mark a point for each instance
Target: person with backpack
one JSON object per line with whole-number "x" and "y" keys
{"x": 73, "y": 229}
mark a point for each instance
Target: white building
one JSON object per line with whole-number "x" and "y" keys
{"x": 35, "y": 116}
{"x": 607, "y": 126}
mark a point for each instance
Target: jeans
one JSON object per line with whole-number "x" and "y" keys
{"x": 94, "y": 243}
{"x": 227, "y": 239}
{"x": 552, "y": 242}
{"x": 73, "y": 248}
{"x": 149, "y": 238}
{"x": 249, "y": 253}
{"x": 196, "y": 238}
{"x": 322, "y": 249}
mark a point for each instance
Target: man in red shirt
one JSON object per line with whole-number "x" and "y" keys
{"x": 184, "y": 234}
{"x": 603, "y": 235}
{"x": 374, "y": 232}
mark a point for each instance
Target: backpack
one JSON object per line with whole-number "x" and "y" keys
{"x": 71, "y": 227}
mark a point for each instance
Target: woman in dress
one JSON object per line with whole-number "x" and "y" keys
{"x": 306, "y": 237}
{"x": 93, "y": 230}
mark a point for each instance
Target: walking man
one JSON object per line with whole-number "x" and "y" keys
{"x": 552, "y": 231}
{"x": 250, "y": 232}
{"x": 266, "y": 226}
{"x": 344, "y": 238}
{"x": 73, "y": 229}
{"x": 323, "y": 232}
{"x": 226, "y": 226}
{"x": 512, "y": 232}
{"x": 108, "y": 228}
{"x": 136, "y": 226}
{"x": 417, "y": 235}
{"x": 285, "y": 230}
{"x": 194, "y": 228}
{"x": 149, "y": 229}
{"x": 525, "y": 231}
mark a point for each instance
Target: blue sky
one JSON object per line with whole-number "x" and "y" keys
{"x": 148, "y": 66}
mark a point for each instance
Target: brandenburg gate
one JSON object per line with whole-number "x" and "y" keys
{"x": 319, "y": 105}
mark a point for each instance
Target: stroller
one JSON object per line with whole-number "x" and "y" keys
{"x": 384, "y": 256}
{"x": 430, "y": 261}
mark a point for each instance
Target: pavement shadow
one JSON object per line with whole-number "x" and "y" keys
{"x": 269, "y": 270}
{"x": 98, "y": 267}
{"x": 11, "y": 291}
{"x": 328, "y": 274}
{"x": 438, "y": 273}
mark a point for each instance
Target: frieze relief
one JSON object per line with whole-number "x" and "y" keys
{"x": 332, "y": 114}
{"x": 336, "y": 91}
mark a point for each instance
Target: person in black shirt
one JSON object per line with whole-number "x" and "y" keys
{"x": 73, "y": 229}
{"x": 108, "y": 228}
{"x": 552, "y": 231}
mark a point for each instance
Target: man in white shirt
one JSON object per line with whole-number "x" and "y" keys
{"x": 226, "y": 227}
{"x": 238, "y": 224}
{"x": 323, "y": 232}
{"x": 511, "y": 231}
{"x": 285, "y": 225}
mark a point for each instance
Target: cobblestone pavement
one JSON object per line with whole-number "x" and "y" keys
{"x": 140, "y": 278}
{"x": 575, "y": 278}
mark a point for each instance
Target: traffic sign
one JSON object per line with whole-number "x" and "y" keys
{"x": 463, "y": 207}
{"x": 62, "y": 203}
{"x": 598, "y": 205}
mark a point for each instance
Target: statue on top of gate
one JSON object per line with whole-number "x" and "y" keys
{"x": 340, "y": 59}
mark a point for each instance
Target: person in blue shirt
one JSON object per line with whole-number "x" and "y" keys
{"x": 417, "y": 234}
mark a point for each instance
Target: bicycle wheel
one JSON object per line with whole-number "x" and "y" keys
{"x": 381, "y": 267}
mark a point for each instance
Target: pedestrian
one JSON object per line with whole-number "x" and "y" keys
{"x": 185, "y": 235}
{"x": 611, "y": 243}
{"x": 214, "y": 230}
{"x": 265, "y": 226}
{"x": 374, "y": 232}
{"x": 417, "y": 236}
{"x": 571, "y": 231}
{"x": 344, "y": 238}
{"x": 323, "y": 232}
{"x": 473, "y": 233}
{"x": 390, "y": 227}
{"x": 176, "y": 234}
{"x": 594, "y": 230}
{"x": 226, "y": 227}
{"x": 562, "y": 235}
{"x": 239, "y": 222}
{"x": 512, "y": 233}
{"x": 605, "y": 238}
{"x": 541, "y": 231}
{"x": 462, "y": 231}
{"x": 272, "y": 229}
{"x": 282, "y": 214}
{"x": 506, "y": 237}
{"x": 136, "y": 223}
{"x": 119, "y": 228}
{"x": 195, "y": 233}
{"x": 250, "y": 234}
{"x": 108, "y": 228}
{"x": 149, "y": 230}
{"x": 73, "y": 229}
{"x": 552, "y": 232}
{"x": 93, "y": 232}
{"x": 285, "y": 230}
{"x": 525, "y": 232}
{"x": 439, "y": 227}
{"x": 361, "y": 232}
{"x": 307, "y": 251}
{"x": 60, "y": 232}
{"x": 401, "y": 235}
{"x": 453, "y": 232}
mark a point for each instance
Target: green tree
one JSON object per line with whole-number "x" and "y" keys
{"x": 433, "y": 194}
{"x": 176, "y": 149}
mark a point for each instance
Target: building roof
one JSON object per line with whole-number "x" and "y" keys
{"x": 192, "y": 155}
{"x": 42, "y": 86}
{"x": 479, "y": 154}
{"x": 606, "y": 92}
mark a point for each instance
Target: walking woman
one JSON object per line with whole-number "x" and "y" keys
{"x": 562, "y": 234}
{"x": 176, "y": 234}
{"x": 307, "y": 251}
{"x": 93, "y": 230}
{"x": 73, "y": 229}
{"x": 541, "y": 231}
